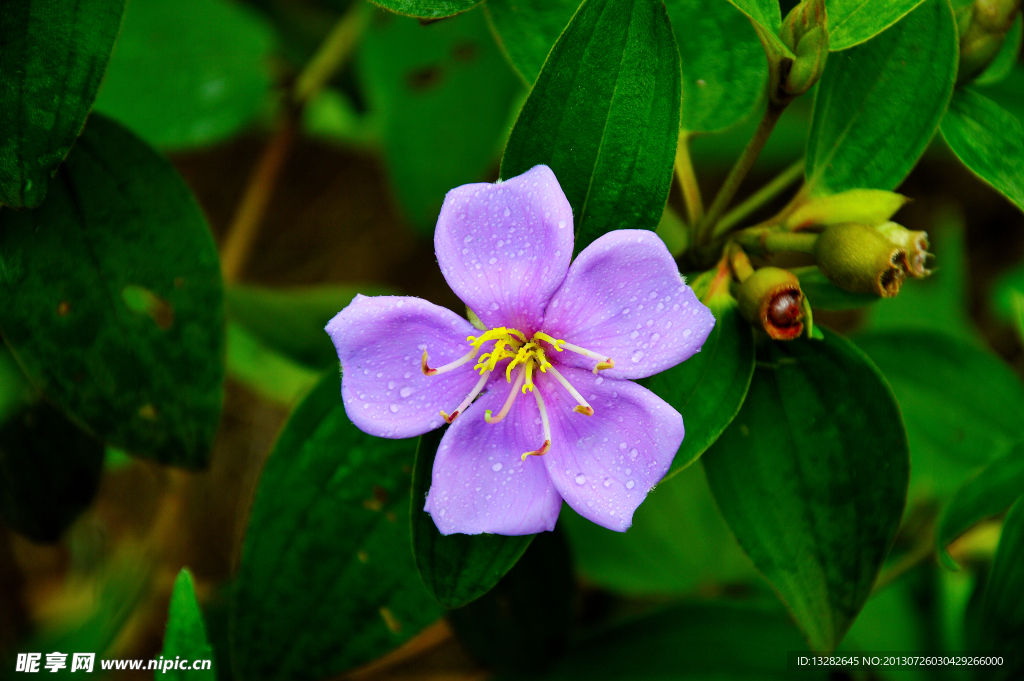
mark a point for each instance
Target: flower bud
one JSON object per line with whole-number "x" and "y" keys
{"x": 983, "y": 26}
{"x": 771, "y": 299}
{"x": 859, "y": 258}
{"x": 865, "y": 206}
{"x": 914, "y": 243}
{"x": 805, "y": 33}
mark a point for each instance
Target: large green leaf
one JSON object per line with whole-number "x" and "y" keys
{"x": 292, "y": 320}
{"x": 690, "y": 641}
{"x": 187, "y": 72}
{"x": 427, "y": 9}
{"x": 185, "y": 635}
{"x": 812, "y": 478}
{"x": 1002, "y": 66}
{"x": 444, "y": 94}
{"x": 851, "y": 22}
{"x": 879, "y": 104}
{"x": 767, "y": 13}
{"x": 604, "y": 115}
{"x": 708, "y": 389}
{"x": 526, "y": 30}
{"x": 530, "y": 613}
{"x": 111, "y": 299}
{"x": 1002, "y": 607}
{"x": 51, "y": 63}
{"x": 987, "y": 494}
{"x": 961, "y": 404}
{"x": 725, "y": 73}
{"x": 457, "y": 568}
{"x": 326, "y": 580}
{"x": 989, "y": 140}
{"x": 49, "y": 472}
{"x": 677, "y": 543}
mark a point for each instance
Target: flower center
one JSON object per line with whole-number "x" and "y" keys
{"x": 524, "y": 357}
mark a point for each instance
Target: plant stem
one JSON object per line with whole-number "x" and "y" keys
{"x": 766, "y": 241}
{"x": 759, "y": 198}
{"x": 740, "y": 170}
{"x": 688, "y": 182}
{"x": 333, "y": 52}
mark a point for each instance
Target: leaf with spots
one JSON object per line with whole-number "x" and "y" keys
{"x": 444, "y": 95}
{"x": 604, "y": 116}
{"x": 52, "y": 57}
{"x": 112, "y": 302}
{"x": 811, "y": 477}
{"x": 326, "y": 580}
{"x": 457, "y": 568}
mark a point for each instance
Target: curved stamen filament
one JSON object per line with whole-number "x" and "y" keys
{"x": 553, "y": 342}
{"x": 469, "y": 398}
{"x": 508, "y": 402}
{"x": 547, "y": 428}
{"x": 427, "y": 371}
{"x": 583, "y": 407}
{"x": 603, "y": 361}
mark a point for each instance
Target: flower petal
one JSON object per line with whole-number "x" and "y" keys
{"x": 504, "y": 248}
{"x": 623, "y": 297}
{"x": 480, "y": 482}
{"x": 380, "y": 342}
{"x": 604, "y": 465}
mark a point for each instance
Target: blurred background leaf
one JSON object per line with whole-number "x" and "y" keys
{"x": 185, "y": 636}
{"x": 129, "y": 339}
{"x": 527, "y": 29}
{"x": 185, "y": 73}
{"x": 44, "y": 95}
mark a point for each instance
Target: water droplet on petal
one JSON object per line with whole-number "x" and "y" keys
{"x": 581, "y": 479}
{"x": 687, "y": 332}
{"x": 607, "y": 482}
{"x": 633, "y": 453}
{"x": 637, "y": 356}
{"x": 405, "y": 392}
{"x": 496, "y": 467}
{"x": 394, "y": 408}
{"x": 507, "y": 212}
{"x": 492, "y": 261}
{"x": 630, "y": 484}
{"x": 391, "y": 385}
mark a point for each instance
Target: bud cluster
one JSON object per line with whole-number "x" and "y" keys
{"x": 983, "y": 26}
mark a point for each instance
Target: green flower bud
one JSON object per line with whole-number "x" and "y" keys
{"x": 914, "y": 243}
{"x": 865, "y": 206}
{"x": 983, "y": 27}
{"x": 771, "y": 299}
{"x": 805, "y": 33}
{"x": 859, "y": 258}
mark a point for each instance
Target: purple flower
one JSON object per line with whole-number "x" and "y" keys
{"x": 540, "y": 401}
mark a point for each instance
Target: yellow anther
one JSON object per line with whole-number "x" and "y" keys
{"x": 529, "y": 378}
{"x": 540, "y": 335}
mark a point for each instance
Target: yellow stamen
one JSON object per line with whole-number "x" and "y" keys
{"x": 540, "y": 335}
{"x": 508, "y": 402}
{"x": 547, "y": 429}
{"x": 603, "y": 362}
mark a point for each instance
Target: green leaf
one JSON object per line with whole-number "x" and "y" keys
{"x": 265, "y": 371}
{"x": 879, "y": 104}
{"x": 526, "y": 30}
{"x": 961, "y": 405}
{"x": 851, "y": 22}
{"x": 725, "y": 73}
{"x": 53, "y": 57}
{"x": 989, "y": 140}
{"x": 678, "y": 542}
{"x": 811, "y": 477}
{"x": 604, "y": 116}
{"x": 427, "y": 9}
{"x": 457, "y": 568}
{"x": 326, "y": 580}
{"x": 708, "y": 389}
{"x": 824, "y": 295}
{"x": 1002, "y": 66}
{"x": 690, "y": 641}
{"x": 444, "y": 94}
{"x": 987, "y": 494}
{"x": 111, "y": 299}
{"x": 188, "y": 72}
{"x": 292, "y": 320}
{"x": 768, "y": 13}
{"x": 1002, "y": 607}
{"x": 185, "y": 636}
{"x": 531, "y": 611}
{"x": 49, "y": 472}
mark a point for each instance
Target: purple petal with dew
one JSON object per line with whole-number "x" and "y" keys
{"x": 623, "y": 297}
{"x": 504, "y": 248}
{"x": 380, "y": 342}
{"x": 480, "y": 482}
{"x": 604, "y": 465}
